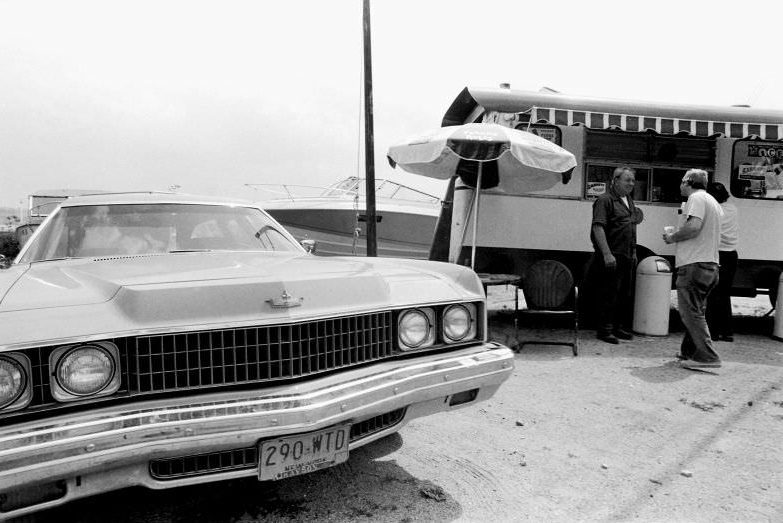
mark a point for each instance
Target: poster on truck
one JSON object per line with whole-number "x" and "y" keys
{"x": 758, "y": 168}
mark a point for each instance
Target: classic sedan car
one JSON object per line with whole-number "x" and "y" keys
{"x": 163, "y": 340}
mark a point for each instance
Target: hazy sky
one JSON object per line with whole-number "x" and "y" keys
{"x": 211, "y": 95}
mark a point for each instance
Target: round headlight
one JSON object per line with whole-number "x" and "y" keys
{"x": 457, "y": 322}
{"x": 414, "y": 328}
{"x": 12, "y": 381}
{"x": 84, "y": 370}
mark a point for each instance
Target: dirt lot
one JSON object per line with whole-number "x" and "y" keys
{"x": 620, "y": 433}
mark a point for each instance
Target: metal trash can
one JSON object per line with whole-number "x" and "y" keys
{"x": 652, "y": 298}
{"x": 777, "y": 332}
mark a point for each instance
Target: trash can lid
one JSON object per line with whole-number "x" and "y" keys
{"x": 653, "y": 265}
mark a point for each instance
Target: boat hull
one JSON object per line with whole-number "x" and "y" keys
{"x": 343, "y": 232}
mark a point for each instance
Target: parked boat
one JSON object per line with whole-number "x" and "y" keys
{"x": 335, "y": 218}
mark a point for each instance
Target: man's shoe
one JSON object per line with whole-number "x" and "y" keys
{"x": 726, "y": 337}
{"x": 623, "y": 334}
{"x": 608, "y": 338}
{"x": 700, "y": 365}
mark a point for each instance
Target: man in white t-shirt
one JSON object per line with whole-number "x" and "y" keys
{"x": 696, "y": 259}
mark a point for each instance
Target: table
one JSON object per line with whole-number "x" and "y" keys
{"x": 488, "y": 280}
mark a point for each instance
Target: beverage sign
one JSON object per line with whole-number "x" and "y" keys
{"x": 757, "y": 169}
{"x": 766, "y": 150}
{"x": 595, "y": 188}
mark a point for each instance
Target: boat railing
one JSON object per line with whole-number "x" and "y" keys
{"x": 350, "y": 188}
{"x": 288, "y": 191}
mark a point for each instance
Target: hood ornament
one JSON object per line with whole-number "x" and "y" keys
{"x": 285, "y": 301}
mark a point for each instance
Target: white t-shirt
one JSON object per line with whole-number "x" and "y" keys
{"x": 729, "y": 228}
{"x": 704, "y": 246}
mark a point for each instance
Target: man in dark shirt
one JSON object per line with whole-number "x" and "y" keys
{"x": 613, "y": 233}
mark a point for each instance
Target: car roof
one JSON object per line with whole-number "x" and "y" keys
{"x": 151, "y": 197}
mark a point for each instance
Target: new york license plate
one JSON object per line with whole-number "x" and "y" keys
{"x": 302, "y": 453}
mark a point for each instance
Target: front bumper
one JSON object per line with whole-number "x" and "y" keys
{"x": 111, "y": 448}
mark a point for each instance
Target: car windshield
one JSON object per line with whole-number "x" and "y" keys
{"x": 134, "y": 229}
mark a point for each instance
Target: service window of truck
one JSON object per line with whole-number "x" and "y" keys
{"x": 659, "y": 162}
{"x": 740, "y": 147}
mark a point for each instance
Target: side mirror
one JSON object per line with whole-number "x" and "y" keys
{"x": 309, "y": 245}
{"x": 5, "y": 262}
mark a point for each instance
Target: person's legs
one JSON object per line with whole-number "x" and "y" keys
{"x": 714, "y": 311}
{"x": 606, "y": 285}
{"x": 624, "y": 303}
{"x": 728, "y": 267}
{"x": 694, "y": 283}
{"x": 687, "y": 348}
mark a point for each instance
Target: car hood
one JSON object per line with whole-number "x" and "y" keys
{"x": 195, "y": 290}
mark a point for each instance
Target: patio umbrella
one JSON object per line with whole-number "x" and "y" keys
{"x": 485, "y": 155}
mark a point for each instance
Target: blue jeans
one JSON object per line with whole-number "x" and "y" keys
{"x": 694, "y": 283}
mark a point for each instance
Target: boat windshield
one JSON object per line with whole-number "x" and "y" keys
{"x": 137, "y": 229}
{"x": 383, "y": 189}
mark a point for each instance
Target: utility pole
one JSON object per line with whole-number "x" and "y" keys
{"x": 369, "y": 154}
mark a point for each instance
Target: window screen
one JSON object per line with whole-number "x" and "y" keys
{"x": 659, "y": 161}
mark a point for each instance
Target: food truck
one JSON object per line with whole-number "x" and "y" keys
{"x": 740, "y": 146}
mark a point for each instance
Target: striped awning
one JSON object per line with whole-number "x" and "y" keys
{"x": 637, "y": 123}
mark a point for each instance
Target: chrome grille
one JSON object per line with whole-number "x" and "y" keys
{"x": 247, "y": 458}
{"x": 203, "y": 464}
{"x": 170, "y": 362}
{"x": 376, "y": 424}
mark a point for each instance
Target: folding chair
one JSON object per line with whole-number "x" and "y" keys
{"x": 549, "y": 289}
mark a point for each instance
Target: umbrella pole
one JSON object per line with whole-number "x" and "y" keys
{"x": 463, "y": 232}
{"x": 475, "y": 216}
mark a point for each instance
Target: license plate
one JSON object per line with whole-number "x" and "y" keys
{"x": 303, "y": 453}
